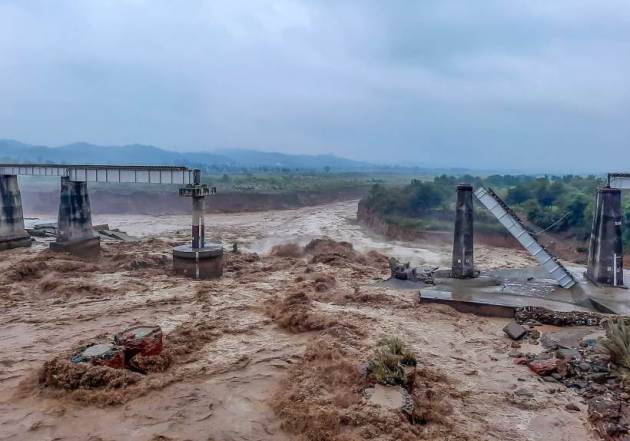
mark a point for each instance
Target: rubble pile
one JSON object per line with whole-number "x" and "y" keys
{"x": 94, "y": 365}
{"x": 585, "y": 367}
{"x": 404, "y": 271}
{"x": 547, "y": 317}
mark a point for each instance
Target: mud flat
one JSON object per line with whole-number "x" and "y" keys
{"x": 274, "y": 350}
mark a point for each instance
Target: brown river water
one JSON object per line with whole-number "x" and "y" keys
{"x": 241, "y": 357}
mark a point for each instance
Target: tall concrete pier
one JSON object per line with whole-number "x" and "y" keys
{"x": 605, "y": 254}
{"x": 74, "y": 230}
{"x": 462, "y": 265}
{"x": 12, "y": 232}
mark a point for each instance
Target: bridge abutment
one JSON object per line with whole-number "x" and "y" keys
{"x": 74, "y": 224}
{"x": 605, "y": 255}
{"x": 463, "y": 262}
{"x": 12, "y": 232}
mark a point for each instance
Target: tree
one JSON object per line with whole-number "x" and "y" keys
{"x": 518, "y": 194}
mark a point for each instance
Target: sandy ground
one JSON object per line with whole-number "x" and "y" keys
{"x": 247, "y": 377}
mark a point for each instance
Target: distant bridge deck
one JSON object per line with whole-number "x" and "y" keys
{"x": 619, "y": 180}
{"x": 142, "y": 174}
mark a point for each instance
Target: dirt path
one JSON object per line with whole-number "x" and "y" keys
{"x": 226, "y": 387}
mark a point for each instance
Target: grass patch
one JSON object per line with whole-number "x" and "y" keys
{"x": 617, "y": 341}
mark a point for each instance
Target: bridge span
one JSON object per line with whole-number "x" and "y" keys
{"x": 74, "y": 231}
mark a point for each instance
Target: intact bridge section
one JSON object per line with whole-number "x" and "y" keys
{"x": 75, "y": 233}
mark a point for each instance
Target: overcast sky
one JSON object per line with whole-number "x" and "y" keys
{"x": 532, "y": 84}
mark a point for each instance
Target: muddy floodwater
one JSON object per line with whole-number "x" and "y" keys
{"x": 272, "y": 351}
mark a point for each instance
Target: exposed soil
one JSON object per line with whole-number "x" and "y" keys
{"x": 271, "y": 351}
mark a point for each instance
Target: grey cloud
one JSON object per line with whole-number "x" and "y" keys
{"x": 518, "y": 84}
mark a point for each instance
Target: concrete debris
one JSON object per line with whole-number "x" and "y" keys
{"x": 141, "y": 340}
{"x": 548, "y": 317}
{"x": 403, "y": 271}
{"x": 542, "y": 367}
{"x": 102, "y": 354}
{"x": 514, "y": 331}
{"x": 587, "y": 369}
{"x": 144, "y": 340}
{"x": 103, "y": 231}
{"x": 116, "y": 234}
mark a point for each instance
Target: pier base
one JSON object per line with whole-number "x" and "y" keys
{"x": 199, "y": 263}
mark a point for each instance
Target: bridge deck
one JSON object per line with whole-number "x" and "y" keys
{"x": 619, "y": 180}
{"x": 145, "y": 174}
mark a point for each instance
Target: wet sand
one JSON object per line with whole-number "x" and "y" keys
{"x": 226, "y": 388}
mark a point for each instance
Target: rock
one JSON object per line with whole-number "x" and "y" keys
{"x": 514, "y": 331}
{"x": 522, "y": 392}
{"x": 534, "y": 333}
{"x": 542, "y": 367}
{"x": 515, "y": 354}
{"x": 549, "y": 379}
{"x": 515, "y": 345}
{"x": 572, "y": 407}
{"x": 568, "y": 354}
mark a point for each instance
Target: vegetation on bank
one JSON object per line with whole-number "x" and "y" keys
{"x": 555, "y": 204}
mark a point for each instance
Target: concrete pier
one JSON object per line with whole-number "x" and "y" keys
{"x": 462, "y": 265}
{"x": 74, "y": 230}
{"x": 198, "y": 260}
{"x": 12, "y": 232}
{"x": 605, "y": 255}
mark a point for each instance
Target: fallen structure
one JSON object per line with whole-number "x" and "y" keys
{"x": 513, "y": 224}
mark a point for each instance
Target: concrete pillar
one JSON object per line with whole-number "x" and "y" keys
{"x": 605, "y": 254}
{"x": 198, "y": 260}
{"x": 74, "y": 224}
{"x": 198, "y": 209}
{"x": 198, "y": 227}
{"x": 12, "y": 232}
{"x": 462, "y": 265}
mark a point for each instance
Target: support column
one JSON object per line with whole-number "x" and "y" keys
{"x": 198, "y": 260}
{"x": 12, "y": 232}
{"x": 462, "y": 264}
{"x": 74, "y": 223}
{"x": 605, "y": 254}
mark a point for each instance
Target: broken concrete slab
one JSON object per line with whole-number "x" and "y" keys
{"x": 404, "y": 271}
{"x": 514, "y": 330}
{"x": 493, "y": 304}
{"x": 102, "y": 354}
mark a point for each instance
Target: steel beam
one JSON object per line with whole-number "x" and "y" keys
{"x": 105, "y": 173}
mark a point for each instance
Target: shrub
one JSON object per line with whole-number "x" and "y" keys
{"x": 617, "y": 341}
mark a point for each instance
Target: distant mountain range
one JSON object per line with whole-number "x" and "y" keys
{"x": 12, "y": 151}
